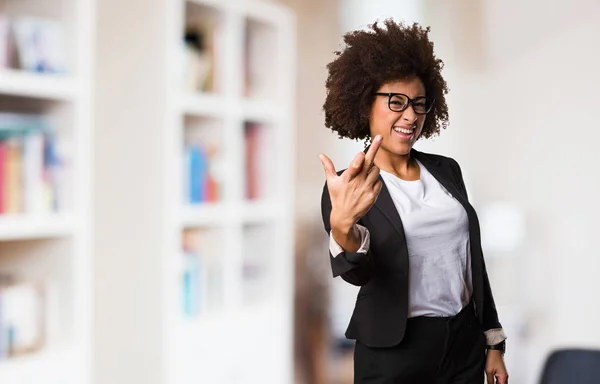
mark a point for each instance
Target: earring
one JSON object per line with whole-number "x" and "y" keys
{"x": 367, "y": 141}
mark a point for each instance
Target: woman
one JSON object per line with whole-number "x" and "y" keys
{"x": 400, "y": 223}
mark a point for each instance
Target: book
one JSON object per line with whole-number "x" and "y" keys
{"x": 201, "y": 272}
{"x": 6, "y": 46}
{"x": 40, "y": 45}
{"x": 22, "y": 319}
{"x": 31, "y": 170}
{"x": 259, "y": 160}
{"x": 201, "y": 183}
{"x": 199, "y": 56}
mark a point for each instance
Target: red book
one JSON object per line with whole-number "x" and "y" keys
{"x": 252, "y": 148}
{"x": 3, "y": 182}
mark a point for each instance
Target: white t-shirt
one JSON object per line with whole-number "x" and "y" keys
{"x": 437, "y": 235}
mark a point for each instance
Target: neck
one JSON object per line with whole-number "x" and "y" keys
{"x": 399, "y": 165}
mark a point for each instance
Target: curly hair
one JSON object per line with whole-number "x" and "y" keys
{"x": 372, "y": 58}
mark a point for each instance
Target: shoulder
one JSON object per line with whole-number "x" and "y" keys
{"x": 437, "y": 159}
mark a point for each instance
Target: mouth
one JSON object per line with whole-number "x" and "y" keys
{"x": 404, "y": 133}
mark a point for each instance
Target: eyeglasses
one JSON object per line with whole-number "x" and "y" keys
{"x": 398, "y": 102}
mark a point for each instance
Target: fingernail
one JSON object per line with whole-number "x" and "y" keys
{"x": 378, "y": 138}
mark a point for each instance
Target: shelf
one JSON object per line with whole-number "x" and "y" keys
{"x": 217, "y": 4}
{"x": 261, "y": 110}
{"x": 240, "y": 235}
{"x": 203, "y": 105}
{"x": 203, "y": 215}
{"x": 248, "y": 212}
{"x": 22, "y": 227}
{"x": 49, "y": 367}
{"x": 214, "y": 105}
{"x": 204, "y": 324}
{"x": 264, "y": 12}
{"x": 260, "y": 211}
{"x": 42, "y": 86}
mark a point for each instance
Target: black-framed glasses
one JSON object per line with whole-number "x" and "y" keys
{"x": 398, "y": 102}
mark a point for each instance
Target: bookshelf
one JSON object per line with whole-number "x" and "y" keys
{"x": 40, "y": 86}
{"x": 243, "y": 232}
{"x": 45, "y": 176}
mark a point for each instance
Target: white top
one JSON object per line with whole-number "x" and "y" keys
{"x": 437, "y": 236}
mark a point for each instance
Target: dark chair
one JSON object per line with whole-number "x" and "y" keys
{"x": 572, "y": 366}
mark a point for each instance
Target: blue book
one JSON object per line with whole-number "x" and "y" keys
{"x": 191, "y": 283}
{"x": 198, "y": 167}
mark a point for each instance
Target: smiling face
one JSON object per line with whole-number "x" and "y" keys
{"x": 399, "y": 130}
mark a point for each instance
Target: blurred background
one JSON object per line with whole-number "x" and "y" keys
{"x": 160, "y": 186}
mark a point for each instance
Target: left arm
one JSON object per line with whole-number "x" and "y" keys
{"x": 494, "y": 334}
{"x": 491, "y": 324}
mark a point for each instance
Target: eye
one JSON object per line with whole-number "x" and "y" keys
{"x": 399, "y": 100}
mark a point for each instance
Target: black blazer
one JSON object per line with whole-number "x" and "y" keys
{"x": 381, "y": 310}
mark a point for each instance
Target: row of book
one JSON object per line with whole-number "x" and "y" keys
{"x": 22, "y": 318}
{"x": 201, "y": 273}
{"x": 30, "y": 167}
{"x": 260, "y": 54}
{"x": 202, "y": 269}
{"x": 199, "y": 56}
{"x": 201, "y": 46}
{"x": 201, "y": 167}
{"x": 200, "y": 174}
{"x": 32, "y": 44}
{"x": 260, "y": 164}
{"x": 257, "y": 263}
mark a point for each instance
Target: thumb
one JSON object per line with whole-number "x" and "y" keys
{"x": 328, "y": 166}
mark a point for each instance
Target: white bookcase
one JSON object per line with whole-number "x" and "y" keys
{"x": 53, "y": 249}
{"x": 243, "y": 330}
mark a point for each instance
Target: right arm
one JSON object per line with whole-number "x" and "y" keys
{"x": 353, "y": 264}
{"x": 346, "y": 198}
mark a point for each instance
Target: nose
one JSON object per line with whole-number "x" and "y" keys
{"x": 409, "y": 114}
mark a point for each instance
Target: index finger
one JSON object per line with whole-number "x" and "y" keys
{"x": 370, "y": 156}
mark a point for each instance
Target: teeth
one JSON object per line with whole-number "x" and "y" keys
{"x": 407, "y": 131}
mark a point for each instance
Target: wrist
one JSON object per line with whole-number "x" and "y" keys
{"x": 497, "y": 348}
{"x": 346, "y": 234}
{"x": 341, "y": 225}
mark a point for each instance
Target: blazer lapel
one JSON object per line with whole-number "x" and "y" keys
{"x": 443, "y": 175}
{"x": 386, "y": 205}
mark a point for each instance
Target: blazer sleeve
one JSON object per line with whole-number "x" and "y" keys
{"x": 490, "y": 314}
{"x": 353, "y": 267}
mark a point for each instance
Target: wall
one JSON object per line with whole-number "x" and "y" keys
{"x": 526, "y": 110}
{"x": 318, "y": 37}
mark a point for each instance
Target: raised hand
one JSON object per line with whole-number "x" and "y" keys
{"x": 353, "y": 192}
